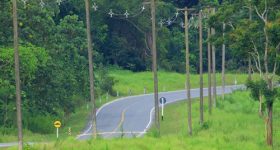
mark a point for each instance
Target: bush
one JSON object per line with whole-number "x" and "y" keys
{"x": 40, "y": 124}
{"x": 105, "y": 82}
{"x": 8, "y": 131}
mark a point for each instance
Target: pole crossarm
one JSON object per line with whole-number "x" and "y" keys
{"x": 185, "y": 9}
{"x": 193, "y": 9}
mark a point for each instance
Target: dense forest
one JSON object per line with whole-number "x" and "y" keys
{"x": 53, "y": 48}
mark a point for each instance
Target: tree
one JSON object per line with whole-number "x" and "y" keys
{"x": 271, "y": 50}
{"x": 257, "y": 38}
{"x": 261, "y": 88}
{"x": 53, "y": 63}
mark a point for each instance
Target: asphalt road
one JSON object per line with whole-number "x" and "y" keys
{"x": 132, "y": 116}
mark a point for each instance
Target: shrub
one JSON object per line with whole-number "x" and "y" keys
{"x": 40, "y": 124}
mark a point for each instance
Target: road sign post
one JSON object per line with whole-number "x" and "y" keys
{"x": 162, "y": 101}
{"x": 162, "y": 107}
{"x": 57, "y": 125}
{"x": 235, "y": 82}
{"x": 69, "y": 131}
{"x": 57, "y": 133}
{"x": 145, "y": 90}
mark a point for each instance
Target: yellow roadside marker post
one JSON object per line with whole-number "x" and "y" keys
{"x": 57, "y": 125}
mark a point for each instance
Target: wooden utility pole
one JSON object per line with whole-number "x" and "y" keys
{"x": 154, "y": 51}
{"x": 223, "y": 62}
{"x": 214, "y": 67}
{"x": 250, "y": 68}
{"x": 91, "y": 75}
{"x": 17, "y": 76}
{"x": 249, "y": 58}
{"x": 188, "y": 72}
{"x": 201, "y": 66}
{"x": 209, "y": 71}
{"x": 188, "y": 85}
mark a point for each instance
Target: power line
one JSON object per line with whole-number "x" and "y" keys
{"x": 114, "y": 13}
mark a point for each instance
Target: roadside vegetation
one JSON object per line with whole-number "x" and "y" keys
{"x": 234, "y": 125}
{"x": 45, "y": 68}
{"x": 123, "y": 81}
{"x": 126, "y": 80}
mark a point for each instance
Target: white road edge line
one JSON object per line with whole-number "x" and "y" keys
{"x": 127, "y": 132}
{"x": 123, "y": 98}
{"x": 148, "y": 125}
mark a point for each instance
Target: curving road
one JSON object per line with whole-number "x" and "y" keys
{"x": 132, "y": 116}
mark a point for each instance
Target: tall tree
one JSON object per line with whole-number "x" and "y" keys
{"x": 271, "y": 50}
{"x": 260, "y": 39}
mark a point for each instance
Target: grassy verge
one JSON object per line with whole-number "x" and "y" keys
{"x": 233, "y": 125}
{"x": 168, "y": 81}
{"x": 76, "y": 122}
{"x": 126, "y": 80}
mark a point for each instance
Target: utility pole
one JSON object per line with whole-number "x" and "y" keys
{"x": 17, "y": 76}
{"x": 223, "y": 62}
{"x": 209, "y": 71}
{"x": 91, "y": 75}
{"x": 250, "y": 64}
{"x": 154, "y": 51}
{"x": 188, "y": 85}
{"x": 214, "y": 67}
{"x": 250, "y": 68}
{"x": 188, "y": 71}
{"x": 201, "y": 66}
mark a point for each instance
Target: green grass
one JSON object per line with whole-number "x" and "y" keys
{"x": 167, "y": 81}
{"x": 76, "y": 122}
{"x": 126, "y": 80}
{"x": 233, "y": 125}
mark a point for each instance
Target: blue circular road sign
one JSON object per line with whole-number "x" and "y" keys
{"x": 162, "y": 100}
